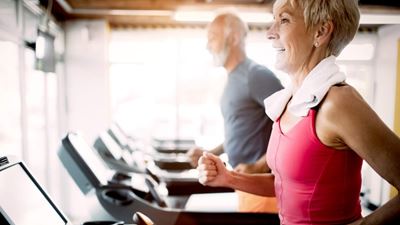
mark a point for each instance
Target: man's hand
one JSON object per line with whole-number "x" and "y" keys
{"x": 194, "y": 155}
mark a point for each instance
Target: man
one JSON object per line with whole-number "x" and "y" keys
{"x": 247, "y": 127}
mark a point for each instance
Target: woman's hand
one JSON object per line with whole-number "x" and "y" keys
{"x": 212, "y": 171}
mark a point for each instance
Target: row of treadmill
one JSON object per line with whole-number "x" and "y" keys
{"x": 156, "y": 180}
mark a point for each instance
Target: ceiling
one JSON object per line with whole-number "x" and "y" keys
{"x": 162, "y": 12}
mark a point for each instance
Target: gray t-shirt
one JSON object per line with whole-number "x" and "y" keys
{"x": 247, "y": 127}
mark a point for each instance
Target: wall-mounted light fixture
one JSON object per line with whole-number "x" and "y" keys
{"x": 44, "y": 52}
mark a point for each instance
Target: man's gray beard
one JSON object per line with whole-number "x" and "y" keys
{"x": 219, "y": 59}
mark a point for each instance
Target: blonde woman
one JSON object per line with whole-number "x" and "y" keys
{"x": 323, "y": 129}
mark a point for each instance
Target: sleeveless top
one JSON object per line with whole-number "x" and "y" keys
{"x": 314, "y": 184}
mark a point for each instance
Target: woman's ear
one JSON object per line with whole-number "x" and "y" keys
{"x": 323, "y": 33}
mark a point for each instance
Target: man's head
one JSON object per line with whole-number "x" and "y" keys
{"x": 226, "y": 35}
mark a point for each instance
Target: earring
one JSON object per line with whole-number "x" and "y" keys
{"x": 316, "y": 44}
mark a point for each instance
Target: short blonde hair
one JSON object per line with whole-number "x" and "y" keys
{"x": 344, "y": 15}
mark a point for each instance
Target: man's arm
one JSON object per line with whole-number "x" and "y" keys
{"x": 196, "y": 152}
{"x": 217, "y": 150}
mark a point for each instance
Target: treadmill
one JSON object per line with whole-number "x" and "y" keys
{"x": 178, "y": 182}
{"x": 167, "y": 155}
{"x": 172, "y": 145}
{"x": 120, "y": 196}
{"x": 24, "y": 202}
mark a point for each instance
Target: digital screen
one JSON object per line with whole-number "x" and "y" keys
{"x": 22, "y": 202}
{"x": 113, "y": 148}
{"x": 88, "y": 155}
{"x": 119, "y": 135}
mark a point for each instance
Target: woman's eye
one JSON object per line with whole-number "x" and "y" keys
{"x": 284, "y": 20}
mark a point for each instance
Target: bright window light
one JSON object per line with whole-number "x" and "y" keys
{"x": 357, "y": 52}
{"x": 380, "y": 19}
{"x": 257, "y": 17}
{"x": 184, "y": 102}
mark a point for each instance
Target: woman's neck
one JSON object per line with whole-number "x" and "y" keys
{"x": 299, "y": 76}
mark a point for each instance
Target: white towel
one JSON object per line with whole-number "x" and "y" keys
{"x": 311, "y": 92}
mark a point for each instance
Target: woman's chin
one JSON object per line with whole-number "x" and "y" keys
{"x": 279, "y": 65}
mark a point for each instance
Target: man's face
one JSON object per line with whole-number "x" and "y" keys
{"x": 216, "y": 43}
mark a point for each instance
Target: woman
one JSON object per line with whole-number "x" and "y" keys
{"x": 323, "y": 128}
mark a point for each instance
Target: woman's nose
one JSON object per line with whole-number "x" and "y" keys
{"x": 271, "y": 32}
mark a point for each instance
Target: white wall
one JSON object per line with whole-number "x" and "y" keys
{"x": 386, "y": 62}
{"x": 87, "y": 81}
{"x": 385, "y": 92}
{"x": 86, "y": 100}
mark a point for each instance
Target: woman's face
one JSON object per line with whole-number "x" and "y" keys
{"x": 291, "y": 40}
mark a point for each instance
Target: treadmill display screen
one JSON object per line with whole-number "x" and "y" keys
{"x": 89, "y": 157}
{"x": 113, "y": 148}
{"x": 23, "y": 201}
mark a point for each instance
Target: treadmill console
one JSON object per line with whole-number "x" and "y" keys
{"x": 23, "y": 201}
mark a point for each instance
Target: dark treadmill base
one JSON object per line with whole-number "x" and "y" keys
{"x": 191, "y": 187}
{"x": 174, "y": 166}
{"x": 170, "y": 216}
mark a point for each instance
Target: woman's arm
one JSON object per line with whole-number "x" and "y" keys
{"x": 260, "y": 166}
{"x": 212, "y": 172}
{"x": 345, "y": 121}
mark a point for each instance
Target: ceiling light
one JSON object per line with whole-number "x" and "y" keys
{"x": 194, "y": 16}
{"x": 123, "y": 12}
{"x": 208, "y": 16}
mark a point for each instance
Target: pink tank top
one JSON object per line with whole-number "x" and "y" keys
{"x": 314, "y": 184}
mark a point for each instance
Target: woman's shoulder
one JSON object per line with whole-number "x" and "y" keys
{"x": 342, "y": 102}
{"x": 343, "y": 95}
{"x": 341, "y": 107}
